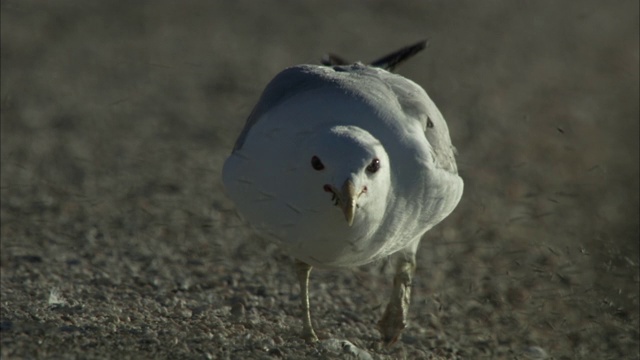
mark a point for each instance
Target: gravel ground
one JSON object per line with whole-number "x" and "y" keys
{"x": 118, "y": 241}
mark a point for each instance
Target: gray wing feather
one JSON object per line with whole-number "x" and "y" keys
{"x": 287, "y": 83}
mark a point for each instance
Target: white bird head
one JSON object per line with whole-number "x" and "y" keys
{"x": 349, "y": 166}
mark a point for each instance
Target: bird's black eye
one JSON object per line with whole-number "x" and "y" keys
{"x": 429, "y": 123}
{"x": 374, "y": 166}
{"x": 316, "y": 163}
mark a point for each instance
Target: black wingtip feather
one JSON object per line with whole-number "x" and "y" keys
{"x": 389, "y": 62}
{"x": 333, "y": 60}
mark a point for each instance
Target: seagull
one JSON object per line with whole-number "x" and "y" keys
{"x": 343, "y": 164}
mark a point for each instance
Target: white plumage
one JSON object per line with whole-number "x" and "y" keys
{"x": 342, "y": 166}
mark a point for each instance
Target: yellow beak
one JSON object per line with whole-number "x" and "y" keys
{"x": 348, "y": 199}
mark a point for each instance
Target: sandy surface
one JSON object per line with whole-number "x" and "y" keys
{"x": 118, "y": 241}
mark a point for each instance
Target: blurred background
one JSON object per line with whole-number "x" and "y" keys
{"x": 117, "y": 238}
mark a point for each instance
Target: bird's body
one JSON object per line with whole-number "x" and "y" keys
{"x": 295, "y": 211}
{"x": 343, "y": 166}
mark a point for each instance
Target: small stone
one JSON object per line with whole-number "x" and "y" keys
{"x": 534, "y": 353}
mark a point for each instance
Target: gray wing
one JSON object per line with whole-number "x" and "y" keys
{"x": 418, "y": 105}
{"x": 370, "y": 84}
{"x": 289, "y": 82}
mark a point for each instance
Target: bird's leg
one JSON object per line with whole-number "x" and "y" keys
{"x": 302, "y": 271}
{"x": 394, "y": 319}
